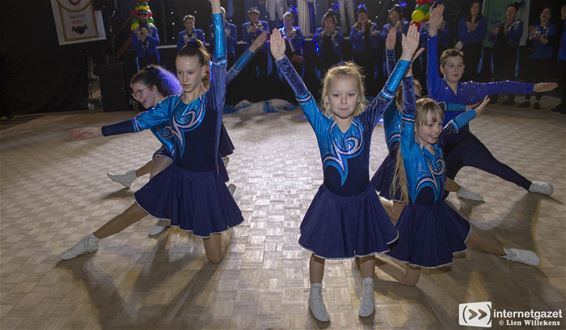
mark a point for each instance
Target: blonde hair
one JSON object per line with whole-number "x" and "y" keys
{"x": 347, "y": 69}
{"x": 452, "y": 52}
{"x": 424, "y": 107}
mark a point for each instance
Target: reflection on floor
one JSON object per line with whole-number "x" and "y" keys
{"x": 54, "y": 191}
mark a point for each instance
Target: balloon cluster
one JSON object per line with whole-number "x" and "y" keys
{"x": 141, "y": 15}
{"x": 422, "y": 11}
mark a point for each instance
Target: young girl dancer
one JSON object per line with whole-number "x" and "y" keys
{"x": 345, "y": 219}
{"x": 464, "y": 149}
{"x": 382, "y": 180}
{"x": 190, "y": 191}
{"x": 430, "y": 232}
{"x": 146, "y": 87}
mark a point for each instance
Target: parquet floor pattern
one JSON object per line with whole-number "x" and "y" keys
{"x": 54, "y": 190}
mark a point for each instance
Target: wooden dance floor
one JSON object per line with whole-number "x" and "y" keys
{"x": 55, "y": 190}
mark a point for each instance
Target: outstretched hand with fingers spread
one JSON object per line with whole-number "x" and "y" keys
{"x": 435, "y": 20}
{"x": 481, "y": 108}
{"x": 410, "y": 43}
{"x": 277, "y": 45}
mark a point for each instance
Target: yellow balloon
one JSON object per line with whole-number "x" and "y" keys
{"x": 417, "y": 16}
{"x": 134, "y": 26}
{"x": 427, "y": 16}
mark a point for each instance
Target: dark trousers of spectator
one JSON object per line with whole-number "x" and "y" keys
{"x": 472, "y": 56}
{"x": 504, "y": 64}
{"x": 538, "y": 71}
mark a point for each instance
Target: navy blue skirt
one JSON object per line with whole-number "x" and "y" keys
{"x": 222, "y": 170}
{"x": 337, "y": 227}
{"x": 226, "y": 147}
{"x": 382, "y": 180}
{"x": 195, "y": 201}
{"x": 162, "y": 152}
{"x": 429, "y": 235}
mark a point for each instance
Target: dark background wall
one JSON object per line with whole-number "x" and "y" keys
{"x": 43, "y": 76}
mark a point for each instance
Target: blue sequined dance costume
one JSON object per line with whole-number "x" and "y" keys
{"x": 190, "y": 192}
{"x": 345, "y": 219}
{"x": 464, "y": 149}
{"x": 430, "y": 232}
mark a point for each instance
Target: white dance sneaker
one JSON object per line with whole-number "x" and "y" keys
{"x": 158, "y": 228}
{"x": 316, "y": 304}
{"x": 367, "y": 301}
{"x": 541, "y": 187}
{"x": 467, "y": 194}
{"x": 226, "y": 160}
{"x": 88, "y": 244}
{"x": 232, "y": 188}
{"x": 524, "y": 256}
{"x": 125, "y": 179}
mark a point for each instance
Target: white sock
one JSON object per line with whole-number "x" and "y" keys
{"x": 367, "y": 301}
{"x": 316, "y": 303}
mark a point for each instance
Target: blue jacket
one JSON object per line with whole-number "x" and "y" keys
{"x": 249, "y": 36}
{"x": 541, "y": 51}
{"x": 183, "y": 38}
{"x": 473, "y": 37}
{"x": 357, "y": 38}
{"x": 513, "y": 33}
{"x": 337, "y": 40}
{"x": 231, "y": 32}
{"x": 148, "y": 47}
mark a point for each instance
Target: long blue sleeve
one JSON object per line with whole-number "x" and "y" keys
{"x": 158, "y": 115}
{"x": 219, "y": 44}
{"x": 409, "y": 99}
{"x": 239, "y": 65}
{"x": 454, "y": 107}
{"x": 218, "y": 65}
{"x": 432, "y": 67}
{"x": 454, "y": 125}
{"x": 317, "y": 120}
{"x": 380, "y": 103}
{"x": 293, "y": 79}
{"x": 126, "y": 126}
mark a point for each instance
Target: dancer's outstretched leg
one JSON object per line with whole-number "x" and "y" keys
{"x": 89, "y": 243}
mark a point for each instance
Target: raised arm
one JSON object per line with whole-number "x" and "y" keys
{"x": 408, "y": 118}
{"x": 245, "y": 57}
{"x": 454, "y": 125}
{"x": 219, "y": 62}
{"x": 380, "y": 103}
{"x": 302, "y": 94}
{"x": 433, "y": 79}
